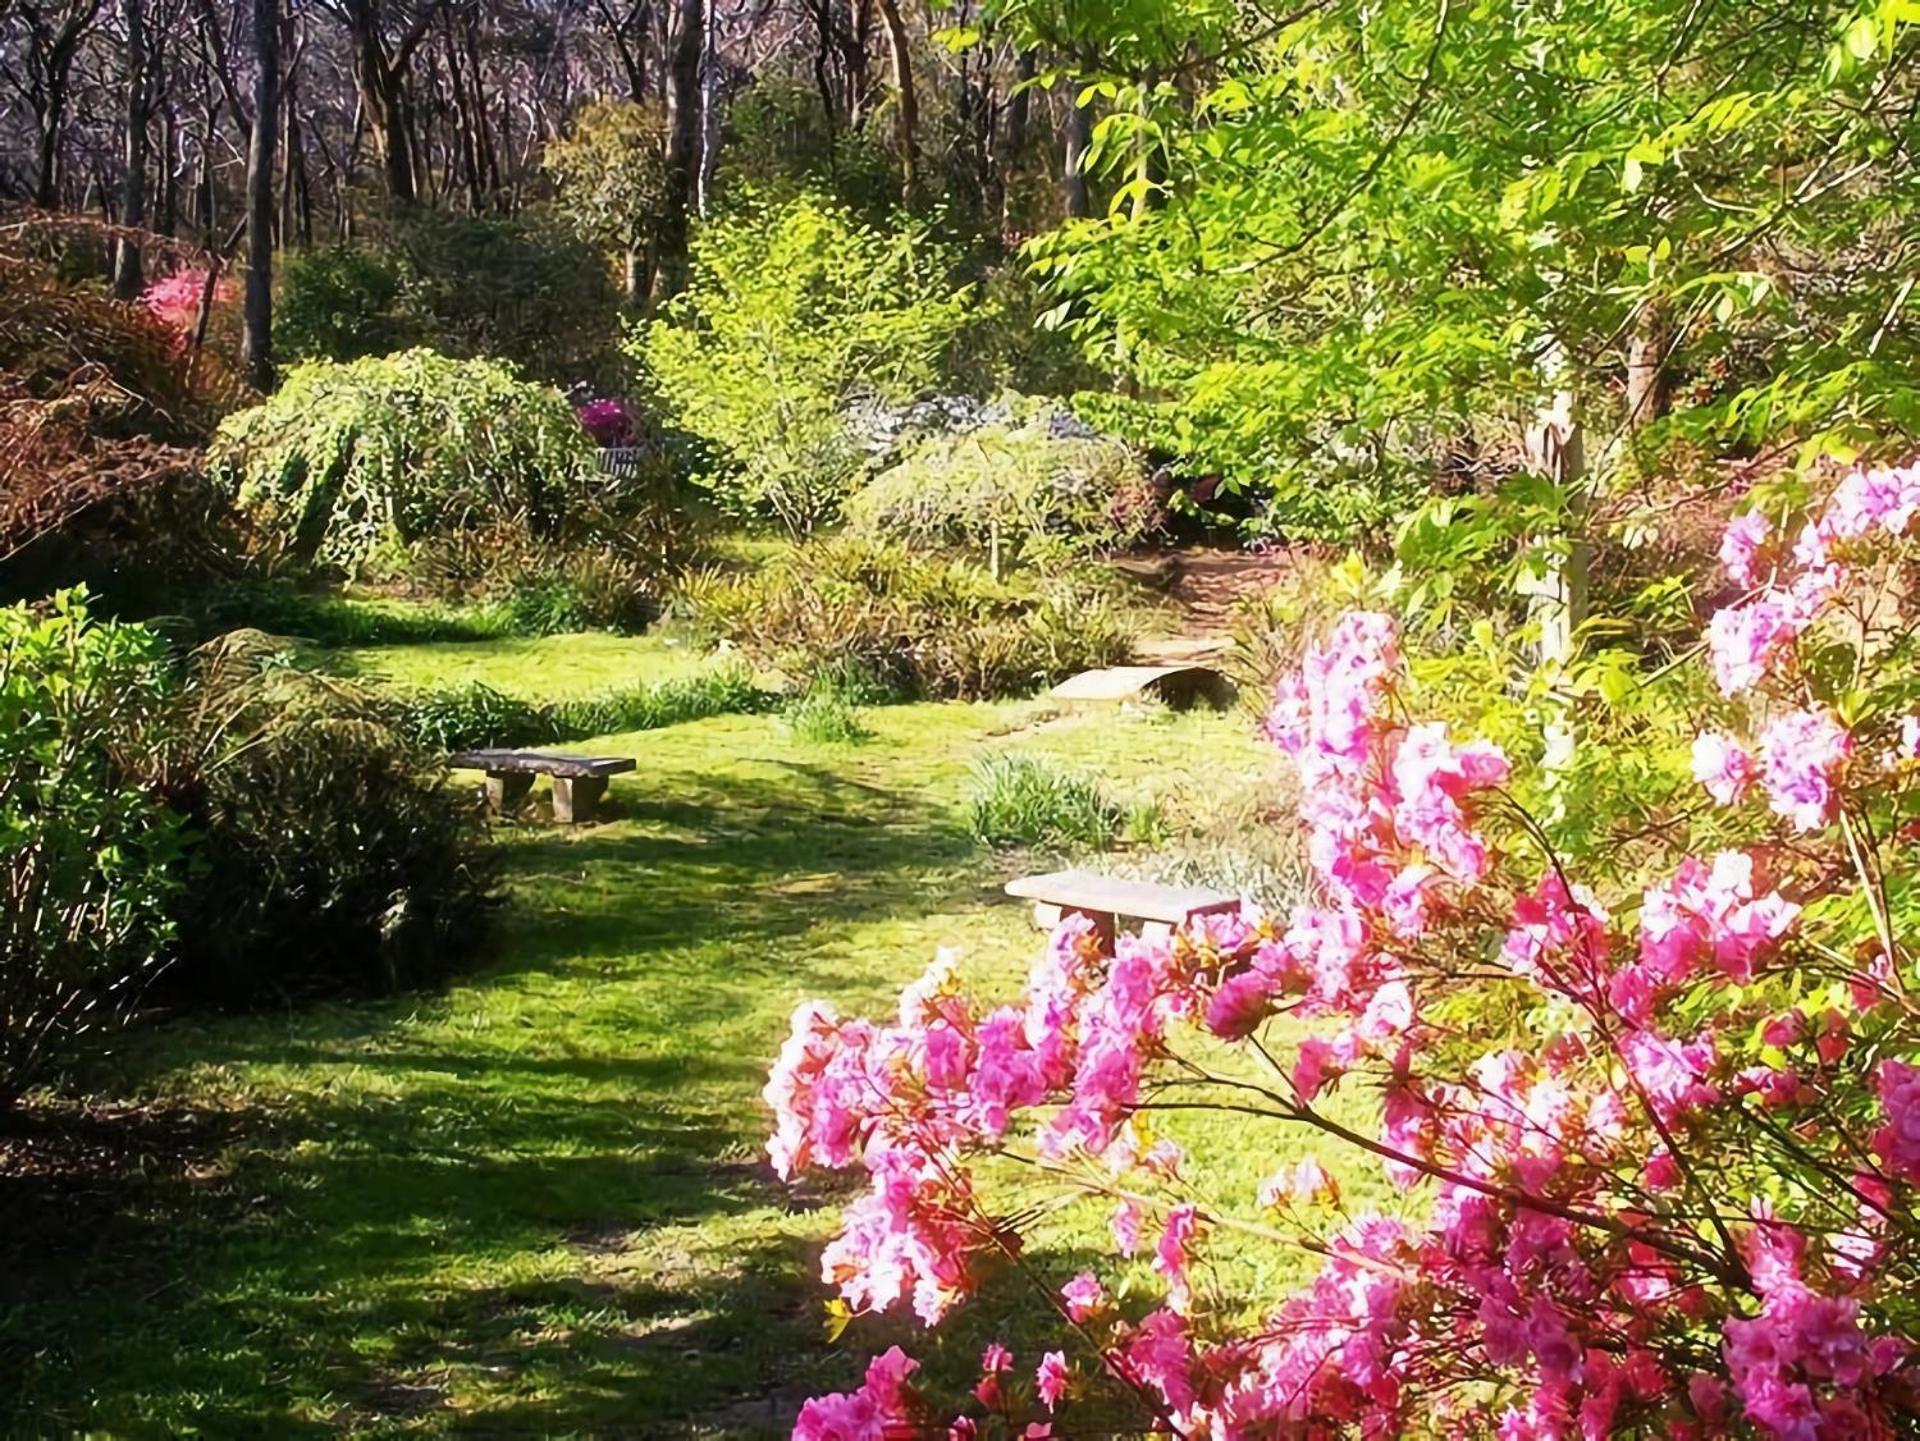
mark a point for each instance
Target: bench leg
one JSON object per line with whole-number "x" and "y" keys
{"x": 1047, "y": 916}
{"x": 576, "y": 798}
{"x": 507, "y": 791}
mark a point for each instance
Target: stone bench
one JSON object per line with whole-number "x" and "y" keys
{"x": 1104, "y": 899}
{"x": 578, "y": 781}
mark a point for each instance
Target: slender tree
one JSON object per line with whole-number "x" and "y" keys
{"x": 257, "y": 339}
{"x": 683, "y": 148}
{"x": 133, "y": 181}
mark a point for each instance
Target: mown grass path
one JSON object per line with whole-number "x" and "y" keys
{"x": 536, "y": 1203}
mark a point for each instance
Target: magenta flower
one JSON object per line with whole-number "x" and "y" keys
{"x": 1051, "y": 1379}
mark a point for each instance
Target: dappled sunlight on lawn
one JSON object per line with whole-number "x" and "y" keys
{"x": 537, "y": 1202}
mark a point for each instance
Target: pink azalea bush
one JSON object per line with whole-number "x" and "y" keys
{"x": 1659, "y": 1142}
{"x": 174, "y": 300}
{"x": 607, "y": 421}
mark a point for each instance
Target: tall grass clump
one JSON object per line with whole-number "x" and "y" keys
{"x": 1020, "y": 800}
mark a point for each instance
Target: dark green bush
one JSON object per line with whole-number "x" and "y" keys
{"x": 1021, "y": 800}
{"x": 332, "y": 856}
{"x": 513, "y": 289}
{"x": 924, "y": 626}
{"x": 89, "y": 858}
{"x": 342, "y": 302}
{"x": 283, "y": 608}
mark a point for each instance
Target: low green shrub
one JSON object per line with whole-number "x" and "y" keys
{"x": 89, "y": 857}
{"x": 1034, "y": 488}
{"x": 475, "y": 715}
{"x": 332, "y": 854}
{"x": 923, "y": 626}
{"x": 824, "y": 717}
{"x": 1021, "y": 800}
{"x": 352, "y": 463}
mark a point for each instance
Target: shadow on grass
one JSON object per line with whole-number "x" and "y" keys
{"x": 534, "y": 1205}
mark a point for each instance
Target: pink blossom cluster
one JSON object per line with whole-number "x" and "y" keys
{"x": 607, "y": 420}
{"x": 1593, "y": 1255}
{"x": 174, "y": 300}
{"x": 1792, "y": 586}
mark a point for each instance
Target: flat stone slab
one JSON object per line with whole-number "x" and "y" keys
{"x": 541, "y": 763}
{"x": 1099, "y": 895}
{"x": 1177, "y": 685}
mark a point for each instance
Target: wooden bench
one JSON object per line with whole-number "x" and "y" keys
{"x": 1105, "y": 899}
{"x": 578, "y": 781}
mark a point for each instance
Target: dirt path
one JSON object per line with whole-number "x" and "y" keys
{"x": 1206, "y": 586}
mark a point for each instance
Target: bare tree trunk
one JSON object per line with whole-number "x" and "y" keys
{"x": 1013, "y": 136}
{"x": 383, "y": 101}
{"x": 1647, "y": 396}
{"x": 256, "y": 346}
{"x": 907, "y": 116}
{"x": 170, "y": 167}
{"x": 1073, "y": 174}
{"x": 133, "y": 184}
{"x": 683, "y": 148}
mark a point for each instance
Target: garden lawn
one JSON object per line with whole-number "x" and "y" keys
{"x": 555, "y": 667}
{"x": 537, "y": 1203}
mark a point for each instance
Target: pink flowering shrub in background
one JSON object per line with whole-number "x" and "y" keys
{"x": 174, "y": 300}
{"x": 1660, "y": 1142}
{"x": 607, "y": 421}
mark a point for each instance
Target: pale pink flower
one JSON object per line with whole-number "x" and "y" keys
{"x": 1725, "y": 767}
{"x": 1745, "y": 641}
{"x": 1803, "y": 755}
{"x": 1740, "y": 545}
{"x": 1084, "y": 1296}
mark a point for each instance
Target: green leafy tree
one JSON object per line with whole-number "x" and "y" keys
{"x": 85, "y": 854}
{"x": 795, "y": 309}
{"x": 610, "y": 179}
{"x": 1378, "y": 230}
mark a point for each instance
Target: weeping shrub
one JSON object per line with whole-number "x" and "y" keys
{"x": 1034, "y": 488}
{"x": 349, "y": 461}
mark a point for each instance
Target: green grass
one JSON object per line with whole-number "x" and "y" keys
{"x": 536, "y": 1204}
{"x": 547, "y": 668}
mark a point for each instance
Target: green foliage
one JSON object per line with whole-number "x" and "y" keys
{"x": 824, "y": 717}
{"x": 921, "y": 625}
{"x": 348, "y": 461}
{"x": 332, "y": 855}
{"x": 780, "y": 145}
{"x": 476, "y": 714}
{"x": 520, "y": 290}
{"x": 1033, "y": 489}
{"x": 89, "y": 858}
{"x": 1385, "y": 233}
{"x": 279, "y": 607}
{"x": 341, "y": 302}
{"x": 1022, "y": 800}
{"x": 795, "y": 308}
{"x": 610, "y": 174}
